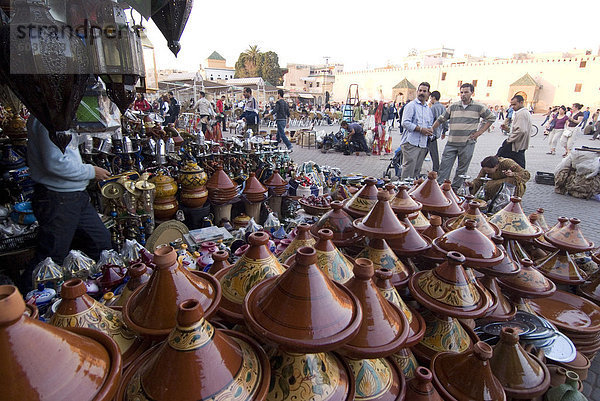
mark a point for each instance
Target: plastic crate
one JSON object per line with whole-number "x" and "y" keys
{"x": 20, "y": 241}
{"x": 544, "y": 178}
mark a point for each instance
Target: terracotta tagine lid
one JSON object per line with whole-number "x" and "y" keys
{"x": 220, "y": 180}
{"x": 340, "y": 223}
{"x": 191, "y": 354}
{"x": 506, "y": 267}
{"x": 275, "y": 180}
{"x": 415, "y": 321}
{"x": 522, "y": 375}
{"x": 302, "y": 310}
{"x": 363, "y": 201}
{"x": 77, "y": 309}
{"x": 255, "y": 265}
{"x": 541, "y": 220}
{"x": 420, "y": 222}
{"x": 472, "y": 212}
{"x": 514, "y": 223}
{"x": 39, "y": 361}
{"x": 403, "y": 203}
{"x": 152, "y": 309}
{"x": 591, "y": 289}
{"x": 528, "y": 283}
{"x": 383, "y": 257}
{"x": 138, "y": 276}
{"x": 410, "y": 243}
{"x": 467, "y": 376}
{"x": 380, "y": 222}
{"x": 337, "y": 266}
{"x": 448, "y": 290}
{"x": 505, "y": 310}
{"x": 454, "y": 209}
{"x": 220, "y": 262}
{"x": 303, "y": 238}
{"x": 384, "y": 327}
{"x": 253, "y": 189}
{"x": 421, "y": 388}
{"x": 569, "y": 238}
{"x": 561, "y": 268}
{"x": 435, "y": 229}
{"x": 431, "y": 196}
{"x": 479, "y": 251}
{"x": 377, "y": 379}
{"x": 111, "y": 277}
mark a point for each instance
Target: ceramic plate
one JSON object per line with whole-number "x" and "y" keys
{"x": 561, "y": 350}
{"x": 571, "y": 313}
{"x": 165, "y": 233}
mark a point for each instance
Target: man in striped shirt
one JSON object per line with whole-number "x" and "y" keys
{"x": 463, "y": 119}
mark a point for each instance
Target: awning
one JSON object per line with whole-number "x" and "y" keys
{"x": 306, "y": 96}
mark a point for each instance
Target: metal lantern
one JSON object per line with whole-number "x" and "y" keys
{"x": 171, "y": 20}
{"x": 45, "y": 66}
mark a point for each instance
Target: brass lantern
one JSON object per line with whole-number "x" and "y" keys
{"x": 171, "y": 20}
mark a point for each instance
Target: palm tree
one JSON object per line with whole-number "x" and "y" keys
{"x": 250, "y": 60}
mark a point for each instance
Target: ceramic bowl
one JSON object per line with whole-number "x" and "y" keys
{"x": 569, "y": 312}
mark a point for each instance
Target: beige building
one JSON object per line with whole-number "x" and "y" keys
{"x": 311, "y": 82}
{"x": 544, "y": 79}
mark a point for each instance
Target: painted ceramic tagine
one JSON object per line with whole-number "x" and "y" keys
{"x": 467, "y": 375}
{"x": 152, "y": 309}
{"x": 337, "y": 266}
{"x": 514, "y": 223}
{"x": 403, "y": 203}
{"x": 522, "y": 375}
{"x": 472, "y": 212}
{"x": 431, "y": 196}
{"x": 256, "y": 264}
{"x": 40, "y": 361}
{"x": 77, "y": 309}
{"x": 213, "y": 364}
{"x": 340, "y": 223}
{"x": 527, "y": 283}
{"x": 363, "y": 200}
{"x": 302, "y": 238}
{"x": 419, "y": 221}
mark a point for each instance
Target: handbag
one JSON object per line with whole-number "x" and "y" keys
{"x": 567, "y": 133}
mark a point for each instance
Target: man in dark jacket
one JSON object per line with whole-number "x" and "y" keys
{"x": 281, "y": 111}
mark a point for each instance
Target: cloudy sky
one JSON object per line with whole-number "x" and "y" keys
{"x": 363, "y": 34}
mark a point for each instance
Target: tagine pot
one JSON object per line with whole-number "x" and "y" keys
{"x": 431, "y": 196}
{"x": 363, "y": 201}
{"x": 340, "y": 223}
{"x": 569, "y": 238}
{"x": 528, "y": 282}
{"x": 561, "y": 269}
{"x": 435, "y": 229}
{"x": 40, "y": 361}
{"x": 421, "y": 388}
{"x": 568, "y": 391}
{"x": 213, "y": 364}
{"x": 472, "y": 212}
{"x": 138, "y": 276}
{"x": 303, "y": 238}
{"x": 151, "y": 311}
{"x": 377, "y": 379}
{"x": 403, "y": 204}
{"x": 514, "y": 223}
{"x": 254, "y": 191}
{"x": 411, "y": 242}
{"x": 383, "y": 257}
{"x": 220, "y": 262}
{"x": 455, "y": 209}
{"x": 380, "y": 221}
{"x": 256, "y": 265}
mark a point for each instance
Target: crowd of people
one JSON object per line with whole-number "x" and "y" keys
{"x": 562, "y": 124}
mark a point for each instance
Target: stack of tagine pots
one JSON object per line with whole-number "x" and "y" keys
{"x": 165, "y": 203}
{"x": 340, "y": 223}
{"x": 447, "y": 293}
{"x": 472, "y": 212}
{"x": 192, "y": 179}
{"x": 277, "y": 187}
{"x": 221, "y": 191}
{"x": 198, "y": 362}
{"x": 42, "y": 362}
{"x": 303, "y": 238}
{"x": 254, "y": 194}
{"x": 303, "y": 316}
{"x": 559, "y": 266}
{"x": 256, "y": 265}
{"x": 363, "y": 201}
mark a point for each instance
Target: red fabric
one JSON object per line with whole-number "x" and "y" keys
{"x": 220, "y": 106}
{"x": 142, "y": 105}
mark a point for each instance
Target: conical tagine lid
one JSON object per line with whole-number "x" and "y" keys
{"x": 521, "y": 374}
{"x": 382, "y": 256}
{"x": 467, "y": 376}
{"x": 410, "y": 243}
{"x": 254, "y": 186}
{"x": 212, "y": 363}
{"x": 528, "y": 283}
{"x": 472, "y": 212}
{"x": 569, "y": 238}
{"x": 430, "y": 195}
{"x": 220, "y": 180}
{"x": 421, "y": 388}
{"x": 340, "y": 223}
{"x": 479, "y": 251}
{"x": 255, "y": 265}
{"x": 303, "y": 310}
{"x": 506, "y": 267}
{"x": 384, "y": 328}
{"x": 381, "y": 222}
{"x": 139, "y": 274}
{"x": 42, "y": 362}
{"x": 220, "y": 262}
{"x": 302, "y": 238}
{"x": 454, "y": 209}
{"x": 403, "y": 203}
{"x": 420, "y": 222}
{"x": 561, "y": 268}
{"x": 363, "y": 200}
{"x": 514, "y": 223}
{"x": 435, "y": 230}
{"x": 152, "y": 309}
{"x": 275, "y": 180}
{"x": 448, "y": 290}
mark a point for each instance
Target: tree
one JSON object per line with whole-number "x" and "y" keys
{"x": 254, "y": 63}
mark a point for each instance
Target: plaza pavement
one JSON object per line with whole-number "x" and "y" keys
{"x": 536, "y": 196}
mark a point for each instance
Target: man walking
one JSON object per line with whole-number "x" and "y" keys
{"x": 281, "y": 111}
{"x": 463, "y": 121}
{"x": 416, "y": 120}
{"x": 250, "y": 114}
{"x": 437, "y": 109}
{"x": 205, "y": 110}
{"x": 516, "y": 144}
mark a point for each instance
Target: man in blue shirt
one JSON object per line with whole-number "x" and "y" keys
{"x": 357, "y": 134}
{"x": 417, "y": 120}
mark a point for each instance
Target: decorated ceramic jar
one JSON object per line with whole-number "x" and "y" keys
{"x": 192, "y": 176}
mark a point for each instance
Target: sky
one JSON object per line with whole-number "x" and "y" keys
{"x": 368, "y": 34}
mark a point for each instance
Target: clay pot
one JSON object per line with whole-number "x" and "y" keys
{"x": 193, "y": 345}
{"x": 504, "y": 309}
{"x": 303, "y": 238}
{"x": 514, "y": 223}
{"x": 380, "y": 222}
{"x": 561, "y": 268}
{"x": 277, "y": 184}
{"x": 194, "y": 198}
{"x": 221, "y": 181}
{"x": 410, "y": 243}
{"x": 151, "y": 311}
{"x": 448, "y": 290}
{"x": 454, "y": 209}
{"x": 467, "y": 375}
{"x": 421, "y": 388}
{"x": 541, "y": 220}
{"x": 528, "y": 283}
{"x": 506, "y": 267}
{"x": 406, "y": 361}
{"x": 40, "y": 361}
{"x": 110, "y": 278}
{"x": 569, "y": 238}
{"x": 340, "y": 223}
{"x": 522, "y": 375}
{"x": 403, "y": 203}
{"x": 302, "y": 310}
{"x": 377, "y": 379}
{"x": 165, "y": 185}
{"x": 77, "y": 309}
{"x": 472, "y": 212}
{"x": 138, "y": 275}
{"x": 363, "y": 201}
{"x": 253, "y": 189}
{"x": 220, "y": 262}
{"x": 382, "y": 256}
{"x": 431, "y": 196}
{"x": 435, "y": 229}
{"x": 192, "y": 176}
{"x": 165, "y": 208}
{"x": 420, "y": 222}
{"x": 256, "y": 265}
{"x": 580, "y": 365}
{"x": 568, "y": 391}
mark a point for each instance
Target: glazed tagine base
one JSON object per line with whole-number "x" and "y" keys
{"x": 378, "y": 379}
